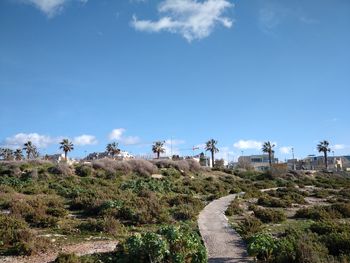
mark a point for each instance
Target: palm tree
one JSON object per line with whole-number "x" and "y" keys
{"x": 268, "y": 148}
{"x": 30, "y": 149}
{"x": 211, "y": 146}
{"x": 158, "y": 148}
{"x": 66, "y": 146}
{"x": 18, "y": 154}
{"x": 6, "y": 154}
{"x": 112, "y": 149}
{"x": 323, "y": 146}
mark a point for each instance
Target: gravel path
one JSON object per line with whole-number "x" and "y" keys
{"x": 80, "y": 249}
{"x": 222, "y": 242}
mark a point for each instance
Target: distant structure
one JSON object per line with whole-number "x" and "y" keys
{"x": 123, "y": 155}
{"x": 57, "y": 158}
{"x": 257, "y": 162}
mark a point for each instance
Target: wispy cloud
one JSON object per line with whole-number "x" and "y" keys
{"x": 189, "y": 18}
{"x": 50, "y": 7}
{"x": 118, "y": 135}
{"x": 274, "y": 13}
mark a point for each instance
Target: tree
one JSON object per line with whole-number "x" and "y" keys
{"x": 112, "y": 149}
{"x": 66, "y": 146}
{"x": 30, "y": 150}
{"x": 268, "y": 148}
{"x": 158, "y": 148}
{"x": 211, "y": 146}
{"x": 323, "y": 147}
{"x": 18, "y": 154}
{"x": 6, "y": 154}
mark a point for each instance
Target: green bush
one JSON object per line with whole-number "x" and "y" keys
{"x": 67, "y": 258}
{"x": 234, "y": 208}
{"x": 337, "y": 243}
{"x": 184, "y": 245}
{"x": 106, "y": 224}
{"x": 147, "y": 247}
{"x": 249, "y": 226}
{"x": 184, "y": 212}
{"x": 39, "y": 211}
{"x": 83, "y": 170}
{"x": 270, "y": 215}
{"x": 170, "y": 244}
{"x": 17, "y": 239}
{"x": 273, "y": 202}
{"x": 342, "y": 208}
{"x": 317, "y": 213}
{"x": 262, "y": 246}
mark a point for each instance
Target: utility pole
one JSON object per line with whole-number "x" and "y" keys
{"x": 171, "y": 147}
{"x": 293, "y": 159}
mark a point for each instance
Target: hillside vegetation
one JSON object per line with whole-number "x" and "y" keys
{"x": 151, "y": 208}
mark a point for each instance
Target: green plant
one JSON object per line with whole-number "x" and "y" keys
{"x": 249, "y": 226}
{"x": 67, "y": 258}
{"x": 234, "y": 208}
{"x": 269, "y": 215}
{"x": 262, "y": 246}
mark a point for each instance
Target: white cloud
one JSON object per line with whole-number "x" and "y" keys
{"x": 248, "y": 144}
{"x": 190, "y": 18}
{"x": 50, "y": 7}
{"x": 85, "y": 140}
{"x": 338, "y": 147}
{"x": 286, "y": 149}
{"x": 117, "y": 135}
{"x": 41, "y": 141}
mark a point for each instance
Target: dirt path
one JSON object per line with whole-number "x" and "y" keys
{"x": 222, "y": 242}
{"x": 80, "y": 249}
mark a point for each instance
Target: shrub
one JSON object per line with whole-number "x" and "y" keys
{"x": 61, "y": 169}
{"x": 184, "y": 245}
{"x": 269, "y": 215}
{"x": 67, "y": 258}
{"x": 169, "y": 244}
{"x": 249, "y": 226}
{"x": 234, "y": 208}
{"x": 147, "y": 247}
{"x": 342, "y": 208}
{"x": 142, "y": 167}
{"x": 184, "y": 212}
{"x": 317, "y": 213}
{"x": 106, "y": 224}
{"x": 262, "y": 246}
{"x": 83, "y": 170}
{"x": 309, "y": 249}
{"x": 39, "y": 211}
{"x": 182, "y": 166}
{"x": 337, "y": 243}
{"x": 178, "y": 200}
{"x": 273, "y": 202}
{"x": 16, "y": 238}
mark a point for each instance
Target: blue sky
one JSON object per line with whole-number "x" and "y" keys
{"x": 137, "y": 71}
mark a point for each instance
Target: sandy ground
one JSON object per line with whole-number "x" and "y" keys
{"x": 80, "y": 249}
{"x": 222, "y": 242}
